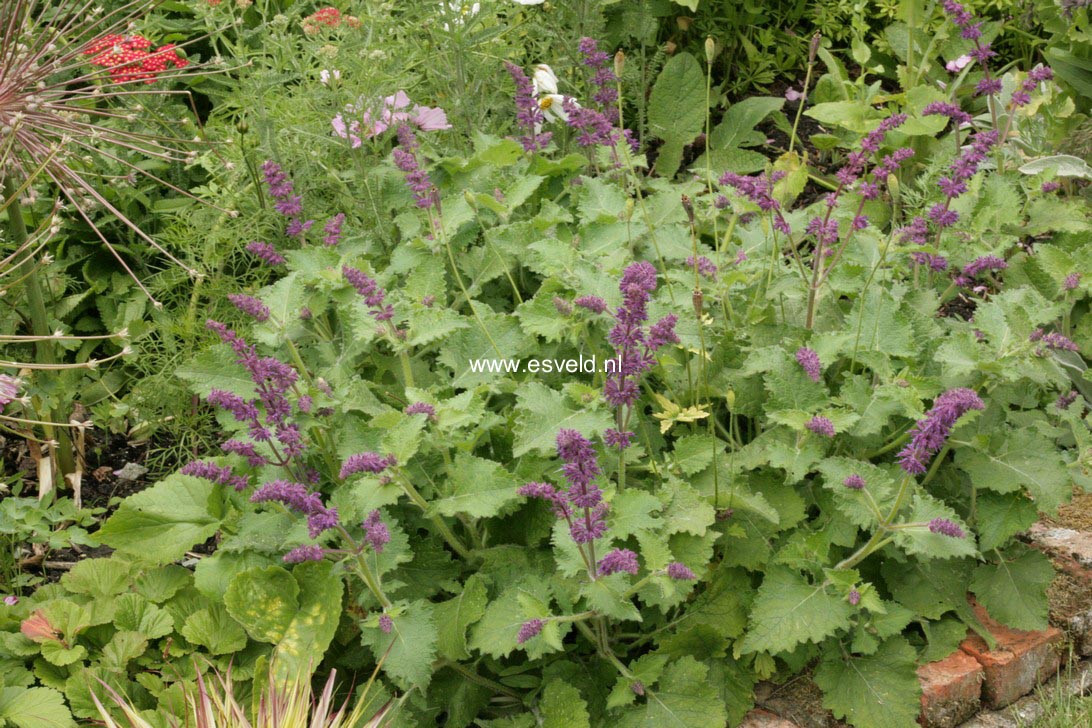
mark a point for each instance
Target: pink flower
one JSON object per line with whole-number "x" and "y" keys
{"x": 428, "y": 118}
{"x": 957, "y": 65}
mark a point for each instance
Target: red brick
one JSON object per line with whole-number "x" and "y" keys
{"x": 1020, "y": 662}
{"x": 759, "y": 718}
{"x": 951, "y": 690}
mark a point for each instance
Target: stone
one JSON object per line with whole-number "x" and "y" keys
{"x": 759, "y": 718}
{"x": 1077, "y": 545}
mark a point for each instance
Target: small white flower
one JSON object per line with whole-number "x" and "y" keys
{"x": 544, "y": 80}
{"x": 529, "y": 2}
{"x": 458, "y": 12}
{"x": 326, "y": 76}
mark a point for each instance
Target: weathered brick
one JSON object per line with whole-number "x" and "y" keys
{"x": 951, "y": 690}
{"x": 759, "y": 718}
{"x": 1020, "y": 662}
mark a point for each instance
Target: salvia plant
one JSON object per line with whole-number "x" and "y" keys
{"x": 809, "y": 426}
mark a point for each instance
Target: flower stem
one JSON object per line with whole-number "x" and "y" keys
{"x": 452, "y": 540}
{"x": 39, "y": 321}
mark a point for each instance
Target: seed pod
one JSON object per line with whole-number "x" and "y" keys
{"x": 813, "y": 49}
{"x": 619, "y": 63}
{"x": 710, "y": 50}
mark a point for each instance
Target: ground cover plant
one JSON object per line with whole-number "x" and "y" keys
{"x": 584, "y": 400}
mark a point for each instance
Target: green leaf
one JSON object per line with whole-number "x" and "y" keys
{"x": 122, "y": 649}
{"x": 1000, "y": 517}
{"x": 478, "y": 488}
{"x": 411, "y": 643}
{"x": 724, "y": 604}
{"x": 159, "y": 585}
{"x": 215, "y": 630}
{"x": 57, "y": 654}
{"x": 682, "y": 698}
{"x": 1015, "y": 459}
{"x": 161, "y": 523}
{"x": 562, "y": 706}
{"x": 855, "y": 504}
{"x": 1013, "y": 590}
{"x": 856, "y": 116}
{"x": 213, "y": 574}
{"x": 34, "y": 708}
{"x": 454, "y": 616}
{"x": 98, "y": 577}
{"x": 737, "y": 129}
{"x": 312, "y": 628}
{"x": 1063, "y": 165}
{"x": 215, "y": 368}
{"x": 919, "y": 540}
{"x": 632, "y": 511}
{"x": 542, "y": 411}
{"x": 676, "y": 109}
{"x": 694, "y": 453}
{"x": 137, "y": 614}
{"x": 264, "y": 601}
{"x": 880, "y": 690}
{"x": 495, "y": 633}
{"x": 600, "y": 201}
{"x": 605, "y": 595}
{"x": 788, "y": 611}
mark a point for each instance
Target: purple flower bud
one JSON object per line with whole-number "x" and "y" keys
{"x": 680, "y": 572}
{"x": 617, "y": 439}
{"x": 1051, "y": 187}
{"x": 366, "y": 462}
{"x": 215, "y": 473}
{"x": 562, "y": 306}
{"x": 376, "y": 532}
{"x": 1071, "y": 281}
{"x": 530, "y": 628}
{"x": 250, "y": 305}
{"x": 945, "y": 527}
{"x": 386, "y": 623}
{"x": 1064, "y": 400}
{"x": 809, "y": 360}
{"x": 264, "y": 251}
{"x": 637, "y": 687}
{"x": 930, "y": 433}
{"x": 421, "y": 408}
{"x": 303, "y": 553}
{"x": 854, "y": 597}
{"x": 854, "y": 482}
{"x": 821, "y": 426}
{"x": 595, "y": 304}
{"x": 618, "y": 560}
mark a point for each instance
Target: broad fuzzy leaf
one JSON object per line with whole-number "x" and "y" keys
{"x": 456, "y": 614}
{"x": 1013, "y": 590}
{"x": 788, "y": 611}
{"x": 161, "y": 523}
{"x": 34, "y": 708}
{"x": 543, "y": 411}
{"x": 682, "y": 698}
{"x": 478, "y": 488}
{"x": 880, "y": 690}
{"x": 412, "y": 645}
{"x": 676, "y": 109}
{"x": 1015, "y": 460}
{"x": 562, "y": 706}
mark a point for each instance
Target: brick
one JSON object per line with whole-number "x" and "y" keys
{"x": 1077, "y": 545}
{"x": 1021, "y": 660}
{"x": 951, "y": 690}
{"x": 759, "y": 718}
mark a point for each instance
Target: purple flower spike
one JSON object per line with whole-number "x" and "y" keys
{"x": 933, "y": 262}
{"x": 854, "y": 597}
{"x": 265, "y": 252}
{"x": 945, "y": 528}
{"x": 617, "y": 439}
{"x": 706, "y": 268}
{"x": 809, "y": 360}
{"x": 1071, "y": 281}
{"x": 854, "y": 482}
{"x": 930, "y": 433}
{"x": 595, "y": 304}
{"x": 333, "y": 230}
{"x": 680, "y": 571}
{"x": 366, "y": 462}
{"x": 376, "y": 532}
{"x": 421, "y": 408}
{"x": 386, "y": 623}
{"x": 323, "y": 519}
{"x": 529, "y": 114}
{"x": 303, "y": 553}
{"x": 405, "y": 158}
{"x": 250, "y": 305}
{"x": 530, "y": 628}
{"x": 215, "y": 473}
{"x": 821, "y": 426}
{"x": 618, "y": 560}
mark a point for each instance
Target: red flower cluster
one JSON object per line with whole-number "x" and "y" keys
{"x": 128, "y": 58}
{"x": 329, "y": 18}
